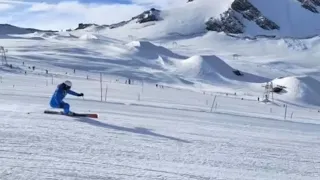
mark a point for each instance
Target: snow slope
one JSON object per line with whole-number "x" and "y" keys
{"x": 293, "y": 19}
{"x": 167, "y": 134}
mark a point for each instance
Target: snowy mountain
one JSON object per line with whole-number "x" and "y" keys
{"x": 249, "y": 18}
{"x": 147, "y": 16}
{"x": 274, "y": 18}
{"x": 232, "y": 21}
{"x": 10, "y": 29}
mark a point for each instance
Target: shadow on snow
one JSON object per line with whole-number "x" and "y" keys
{"x": 136, "y": 130}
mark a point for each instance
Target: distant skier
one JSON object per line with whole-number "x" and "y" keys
{"x": 60, "y": 93}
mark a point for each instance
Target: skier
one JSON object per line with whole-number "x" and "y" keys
{"x": 60, "y": 93}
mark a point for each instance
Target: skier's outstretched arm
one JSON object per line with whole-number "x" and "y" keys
{"x": 74, "y": 93}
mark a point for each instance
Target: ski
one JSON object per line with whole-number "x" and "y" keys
{"x": 73, "y": 115}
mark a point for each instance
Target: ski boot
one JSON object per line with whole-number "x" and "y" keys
{"x": 68, "y": 114}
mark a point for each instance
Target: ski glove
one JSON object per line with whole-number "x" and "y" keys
{"x": 81, "y": 94}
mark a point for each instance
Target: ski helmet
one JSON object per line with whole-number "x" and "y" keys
{"x": 68, "y": 84}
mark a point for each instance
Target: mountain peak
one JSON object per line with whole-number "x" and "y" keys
{"x": 231, "y": 20}
{"x": 273, "y": 17}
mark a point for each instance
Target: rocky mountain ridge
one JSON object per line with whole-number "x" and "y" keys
{"x": 248, "y": 18}
{"x": 147, "y": 16}
{"x": 232, "y": 20}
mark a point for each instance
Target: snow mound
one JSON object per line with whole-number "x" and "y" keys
{"x": 44, "y": 35}
{"x": 151, "y": 51}
{"x": 294, "y": 44}
{"x": 214, "y": 69}
{"x": 88, "y": 37}
{"x": 304, "y": 89}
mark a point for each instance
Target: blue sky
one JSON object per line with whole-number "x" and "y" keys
{"x": 64, "y": 14}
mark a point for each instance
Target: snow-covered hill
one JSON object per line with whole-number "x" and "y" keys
{"x": 10, "y": 29}
{"x": 302, "y": 88}
{"x": 214, "y": 69}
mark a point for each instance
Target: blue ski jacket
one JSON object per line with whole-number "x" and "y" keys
{"x": 59, "y": 94}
